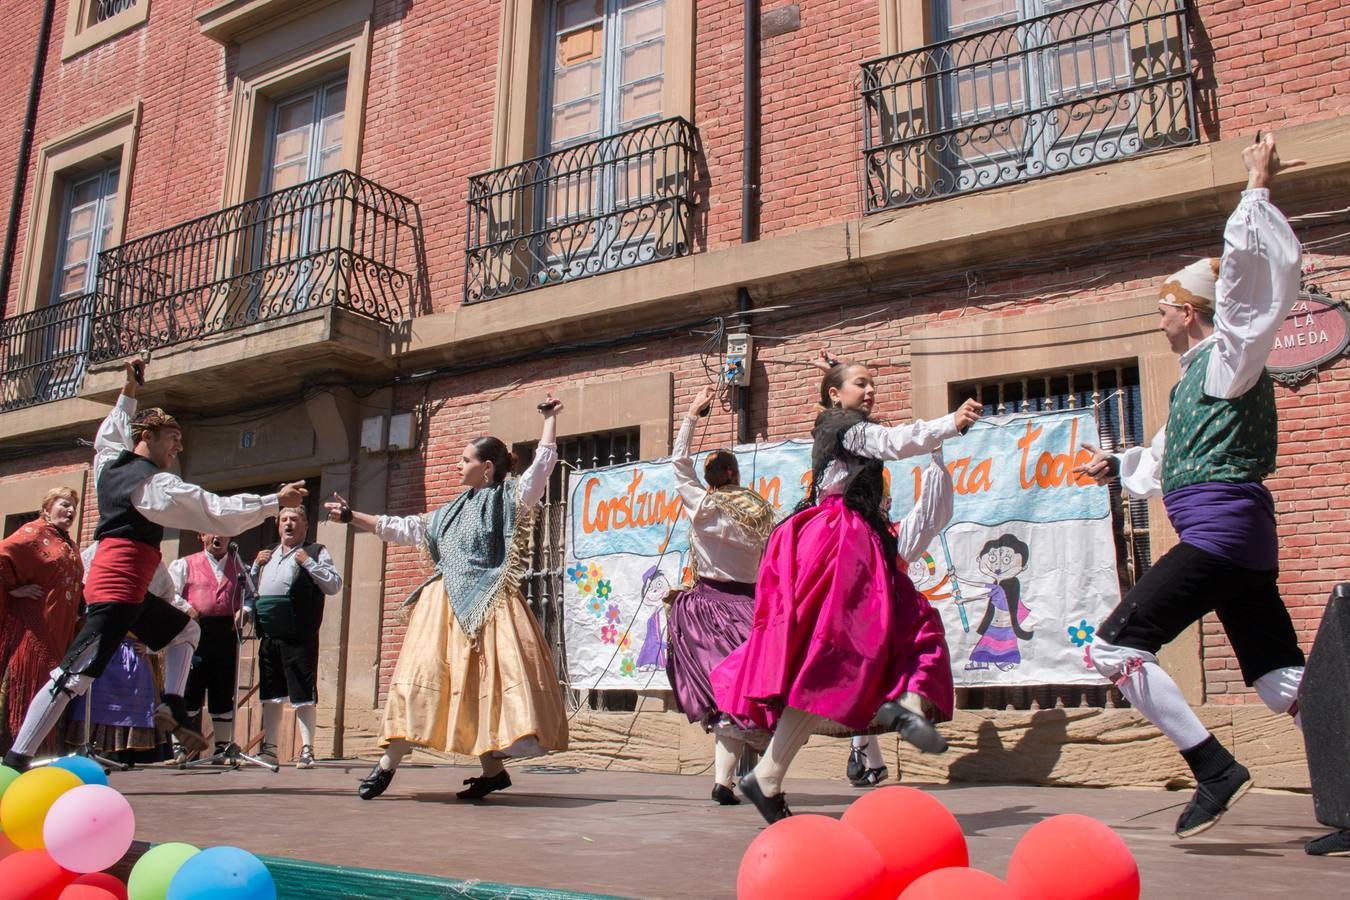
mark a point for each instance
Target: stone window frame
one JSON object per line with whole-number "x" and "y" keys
{"x": 82, "y": 32}
{"x": 275, "y": 59}
{"x": 93, "y": 145}
{"x": 520, "y": 61}
{"x": 25, "y": 494}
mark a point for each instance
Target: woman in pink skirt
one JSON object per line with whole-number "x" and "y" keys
{"x": 841, "y": 642}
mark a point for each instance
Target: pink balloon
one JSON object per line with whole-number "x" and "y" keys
{"x": 89, "y": 828}
{"x": 87, "y": 892}
{"x": 956, "y": 883}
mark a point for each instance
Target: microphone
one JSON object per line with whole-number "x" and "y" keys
{"x": 234, "y": 548}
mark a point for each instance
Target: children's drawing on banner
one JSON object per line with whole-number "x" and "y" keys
{"x": 1001, "y": 561}
{"x": 1021, "y": 575}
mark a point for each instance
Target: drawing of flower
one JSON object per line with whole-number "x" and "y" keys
{"x": 1087, "y": 657}
{"x": 1081, "y": 634}
{"x": 603, "y": 589}
{"x": 596, "y": 607}
{"x": 586, "y": 588}
{"x": 627, "y": 668}
{"x": 626, "y": 642}
{"x": 608, "y": 634}
{"x": 577, "y": 573}
{"x": 612, "y": 614}
{"x": 593, "y": 572}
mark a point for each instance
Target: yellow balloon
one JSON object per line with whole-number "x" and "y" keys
{"x": 23, "y": 808}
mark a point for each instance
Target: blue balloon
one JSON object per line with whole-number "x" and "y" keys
{"x": 222, "y": 873}
{"x": 83, "y": 768}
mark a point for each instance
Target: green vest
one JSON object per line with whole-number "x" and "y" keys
{"x": 1216, "y": 439}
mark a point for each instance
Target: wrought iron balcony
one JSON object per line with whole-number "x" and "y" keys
{"x": 338, "y": 241}
{"x": 607, "y": 204}
{"x": 1080, "y": 85}
{"x": 42, "y": 353}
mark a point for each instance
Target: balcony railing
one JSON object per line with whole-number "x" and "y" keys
{"x": 607, "y": 204}
{"x": 1081, "y": 85}
{"x": 340, "y": 241}
{"x": 42, "y": 353}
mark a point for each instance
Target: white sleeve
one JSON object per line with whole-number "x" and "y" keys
{"x": 168, "y": 500}
{"x": 930, "y": 514}
{"x": 405, "y": 531}
{"x": 114, "y": 435}
{"x": 686, "y": 478}
{"x": 1258, "y": 283}
{"x": 178, "y": 574}
{"x": 1141, "y": 468}
{"x": 324, "y": 573}
{"x": 534, "y": 480}
{"x": 163, "y": 586}
{"x": 900, "y": 441}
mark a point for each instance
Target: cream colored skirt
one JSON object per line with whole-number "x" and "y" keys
{"x": 499, "y": 696}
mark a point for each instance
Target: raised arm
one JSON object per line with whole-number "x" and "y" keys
{"x": 902, "y": 441}
{"x": 534, "y": 480}
{"x": 692, "y": 491}
{"x": 323, "y": 571}
{"x": 930, "y": 514}
{"x": 167, "y": 500}
{"x": 1258, "y": 279}
{"x": 1139, "y": 468}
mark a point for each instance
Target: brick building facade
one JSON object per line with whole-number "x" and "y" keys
{"x": 550, "y": 195}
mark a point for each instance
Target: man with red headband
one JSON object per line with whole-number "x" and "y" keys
{"x": 137, "y": 499}
{"x": 1220, "y": 317}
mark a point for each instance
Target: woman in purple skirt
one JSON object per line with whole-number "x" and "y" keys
{"x": 728, "y": 527}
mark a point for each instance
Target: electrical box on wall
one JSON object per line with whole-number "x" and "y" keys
{"x": 372, "y": 434}
{"x": 739, "y": 352}
{"x": 402, "y": 431}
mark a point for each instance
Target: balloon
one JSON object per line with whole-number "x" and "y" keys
{"x": 912, "y": 830}
{"x": 6, "y": 776}
{"x": 102, "y": 881}
{"x": 25, "y": 804}
{"x": 1108, "y": 872}
{"x": 956, "y": 883}
{"x": 811, "y": 858}
{"x": 152, "y": 873}
{"x": 6, "y": 846}
{"x": 33, "y": 875}
{"x": 223, "y": 873}
{"x": 84, "y": 768}
{"x": 89, "y": 828}
{"x": 87, "y": 892}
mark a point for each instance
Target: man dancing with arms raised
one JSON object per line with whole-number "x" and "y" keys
{"x": 1220, "y": 317}
{"x": 137, "y": 499}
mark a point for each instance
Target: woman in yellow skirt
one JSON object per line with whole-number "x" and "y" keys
{"x": 474, "y": 675}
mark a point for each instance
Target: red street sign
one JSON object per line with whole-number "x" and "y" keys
{"x": 1316, "y": 330}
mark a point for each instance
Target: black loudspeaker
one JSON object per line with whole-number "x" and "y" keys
{"x": 1324, "y": 701}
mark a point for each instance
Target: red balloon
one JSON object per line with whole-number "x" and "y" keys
{"x": 88, "y": 892}
{"x": 102, "y": 880}
{"x": 810, "y": 858}
{"x": 958, "y": 884}
{"x": 913, "y": 832}
{"x": 1073, "y": 857}
{"x": 33, "y": 875}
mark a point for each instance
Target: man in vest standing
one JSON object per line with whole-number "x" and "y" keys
{"x": 210, "y": 585}
{"x": 1220, "y": 317}
{"x": 137, "y": 499}
{"x": 292, "y": 581}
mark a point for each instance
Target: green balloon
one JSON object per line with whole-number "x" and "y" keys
{"x": 152, "y": 873}
{"x": 6, "y": 776}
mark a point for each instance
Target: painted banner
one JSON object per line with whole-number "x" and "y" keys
{"x": 1022, "y": 574}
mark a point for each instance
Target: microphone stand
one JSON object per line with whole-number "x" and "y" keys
{"x": 232, "y": 755}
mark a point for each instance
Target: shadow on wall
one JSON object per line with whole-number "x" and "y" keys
{"x": 1030, "y": 760}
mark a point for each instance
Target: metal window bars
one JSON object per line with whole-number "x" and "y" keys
{"x": 544, "y": 580}
{"x": 595, "y": 207}
{"x": 1114, "y": 391}
{"x": 43, "y": 352}
{"x": 1074, "y": 86}
{"x": 106, "y": 9}
{"x": 340, "y": 240}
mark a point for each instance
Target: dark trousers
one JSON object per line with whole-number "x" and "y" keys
{"x": 214, "y": 672}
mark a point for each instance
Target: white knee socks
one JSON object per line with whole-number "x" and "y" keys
{"x": 271, "y": 713}
{"x": 305, "y": 716}
{"x": 45, "y": 710}
{"x": 794, "y": 728}
{"x": 726, "y": 750}
{"x": 178, "y": 658}
{"x": 1151, "y": 691}
{"x": 492, "y": 765}
{"x": 1279, "y": 691}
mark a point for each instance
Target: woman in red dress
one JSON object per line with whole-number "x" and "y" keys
{"x": 40, "y": 577}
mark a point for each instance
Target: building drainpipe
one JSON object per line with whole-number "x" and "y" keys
{"x": 749, "y": 188}
{"x": 25, "y": 151}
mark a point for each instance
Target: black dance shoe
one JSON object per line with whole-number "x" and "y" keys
{"x": 911, "y": 726}
{"x": 725, "y": 795}
{"x": 1335, "y": 844}
{"x": 483, "y": 785}
{"x": 171, "y": 716}
{"x": 17, "y": 761}
{"x": 871, "y": 777}
{"x": 857, "y": 765}
{"x": 1213, "y": 798}
{"x": 374, "y": 784}
{"x": 773, "y": 809}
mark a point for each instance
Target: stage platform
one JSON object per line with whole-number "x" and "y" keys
{"x": 629, "y": 834}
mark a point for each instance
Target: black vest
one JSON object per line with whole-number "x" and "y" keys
{"x": 118, "y": 518}
{"x": 306, "y": 598}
